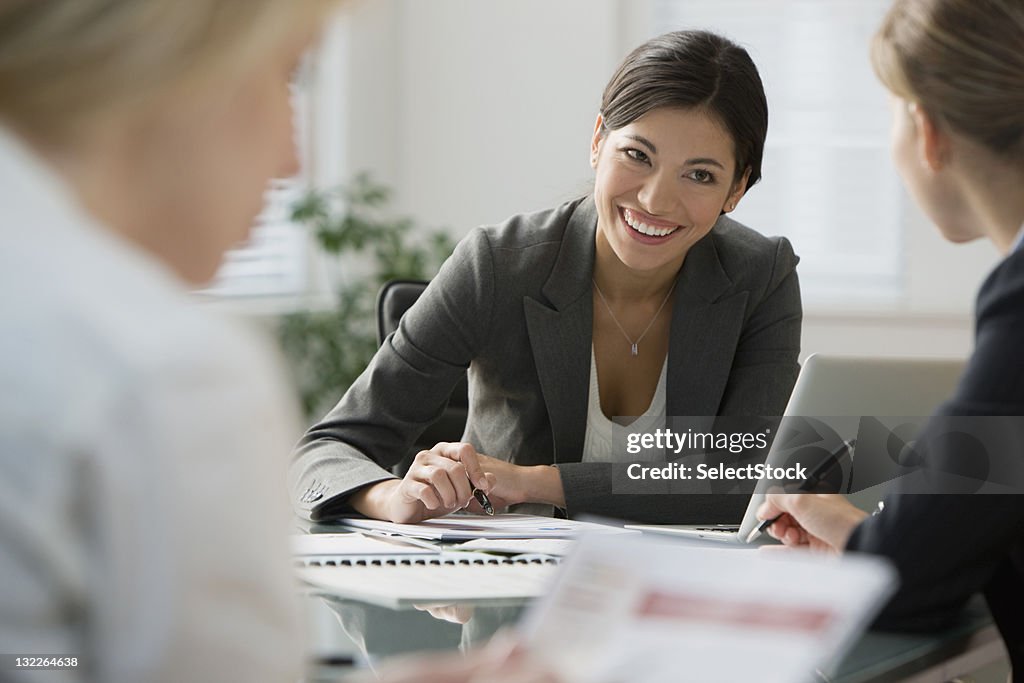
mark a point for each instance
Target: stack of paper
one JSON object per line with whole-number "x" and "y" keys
{"x": 352, "y": 545}
{"x": 521, "y": 546}
{"x": 464, "y": 527}
{"x": 373, "y": 565}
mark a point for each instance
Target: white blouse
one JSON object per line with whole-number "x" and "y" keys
{"x": 605, "y": 439}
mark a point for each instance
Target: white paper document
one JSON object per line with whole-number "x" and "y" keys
{"x": 642, "y": 609}
{"x": 465, "y": 527}
{"x": 351, "y": 544}
{"x": 521, "y": 546}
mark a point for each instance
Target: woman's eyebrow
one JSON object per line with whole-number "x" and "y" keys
{"x": 704, "y": 161}
{"x": 644, "y": 141}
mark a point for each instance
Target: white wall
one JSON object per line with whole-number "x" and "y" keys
{"x": 475, "y": 110}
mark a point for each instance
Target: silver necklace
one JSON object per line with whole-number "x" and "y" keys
{"x": 633, "y": 343}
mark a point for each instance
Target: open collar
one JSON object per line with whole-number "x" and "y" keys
{"x": 561, "y": 332}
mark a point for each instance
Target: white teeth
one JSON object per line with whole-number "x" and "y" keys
{"x": 640, "y": 226}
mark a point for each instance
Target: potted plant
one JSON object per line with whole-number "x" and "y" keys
{"x": 328, "y": 349}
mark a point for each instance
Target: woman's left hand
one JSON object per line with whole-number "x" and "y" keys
{"x": 499, "y": 662}
{"x": 509, "y": 487}
{"x": 520, "y": 484}
{"x": 455, "y": 613}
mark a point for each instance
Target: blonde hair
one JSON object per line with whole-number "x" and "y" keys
{"x": 65, "y": 64}
{"x": 963, "y": 62}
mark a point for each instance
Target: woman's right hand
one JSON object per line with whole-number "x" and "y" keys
{"x": 813, "y": 520}
{"x": 439, "y": 481}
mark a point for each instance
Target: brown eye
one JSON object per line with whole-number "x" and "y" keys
{"x": 703, "y": 176}
{"x": 636, "y": 155}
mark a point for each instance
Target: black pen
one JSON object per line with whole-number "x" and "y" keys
{"x": 823, "y": 468}
{"x": 484, "y": 501}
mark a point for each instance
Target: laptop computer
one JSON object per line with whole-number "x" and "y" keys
{"x": 848, "y": 397}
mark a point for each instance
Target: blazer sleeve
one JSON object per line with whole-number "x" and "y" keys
{"x": 948, "y": 547}
{"x": 373, "y": 425}
{"x": 765, "y": 366}
{"x": 761, "y": 378}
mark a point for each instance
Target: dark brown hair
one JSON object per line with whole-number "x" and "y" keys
{"x": 694, "y": 70}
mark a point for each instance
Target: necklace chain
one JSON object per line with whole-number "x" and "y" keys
{"x": 633, "y": 351}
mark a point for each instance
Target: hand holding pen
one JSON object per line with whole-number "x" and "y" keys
{"x": 439, "y": 481}
{"x": 483, "y": 500}
{"x": 814, "y": 478}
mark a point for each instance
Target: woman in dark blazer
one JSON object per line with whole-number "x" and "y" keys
{"x": 956, "y": 71}
{"x": 640, "y": 299}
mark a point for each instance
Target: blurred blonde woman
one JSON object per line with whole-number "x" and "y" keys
{"x": 142, "y": 507}
{"x": 956, "y": 72}
{"x": 142, "y": 514}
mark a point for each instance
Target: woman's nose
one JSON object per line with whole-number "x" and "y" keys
{"x": 658, "y": 194}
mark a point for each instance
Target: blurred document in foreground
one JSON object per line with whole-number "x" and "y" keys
{"x": 634, "y": 609}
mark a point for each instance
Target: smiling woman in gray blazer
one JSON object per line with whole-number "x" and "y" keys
{"x": 640, "y": 299}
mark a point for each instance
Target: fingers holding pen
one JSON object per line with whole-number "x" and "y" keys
{"x": 821, "y": 521}
{"x": 442, "y": 483}
{"x": 442, "y": 479}
{"x": 467, "y": 456}
{"x": 785, "y": 511}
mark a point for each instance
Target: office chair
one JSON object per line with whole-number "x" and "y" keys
{"x": 393, "y": 300}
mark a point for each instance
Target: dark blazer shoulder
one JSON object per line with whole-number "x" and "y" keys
{"x": 540, "y": 254}
{"x": 527, "y": 231}
{"x": 751, "y": 260}
{"x": 993, "y": 382}
{"x": 1002, "y": 293}
{"x": 517, "y": 251}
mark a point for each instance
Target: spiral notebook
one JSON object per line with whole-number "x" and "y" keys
{"x": 405, "y": 581}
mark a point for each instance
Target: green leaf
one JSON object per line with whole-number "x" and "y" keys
{"x": 328, "y": 350}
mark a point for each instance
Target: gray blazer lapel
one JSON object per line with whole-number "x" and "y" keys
{"x": 561, "y": 330}
{"x": 696, "y": 370}
{"x": 560, "y": 333}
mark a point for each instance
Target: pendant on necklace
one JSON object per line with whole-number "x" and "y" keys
{"x": 632, "y": 350}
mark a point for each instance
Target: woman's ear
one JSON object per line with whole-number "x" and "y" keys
{"x": 932, "y": 141}
{"x": 595, "y": 142}
{"x": 738, "y": 189}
